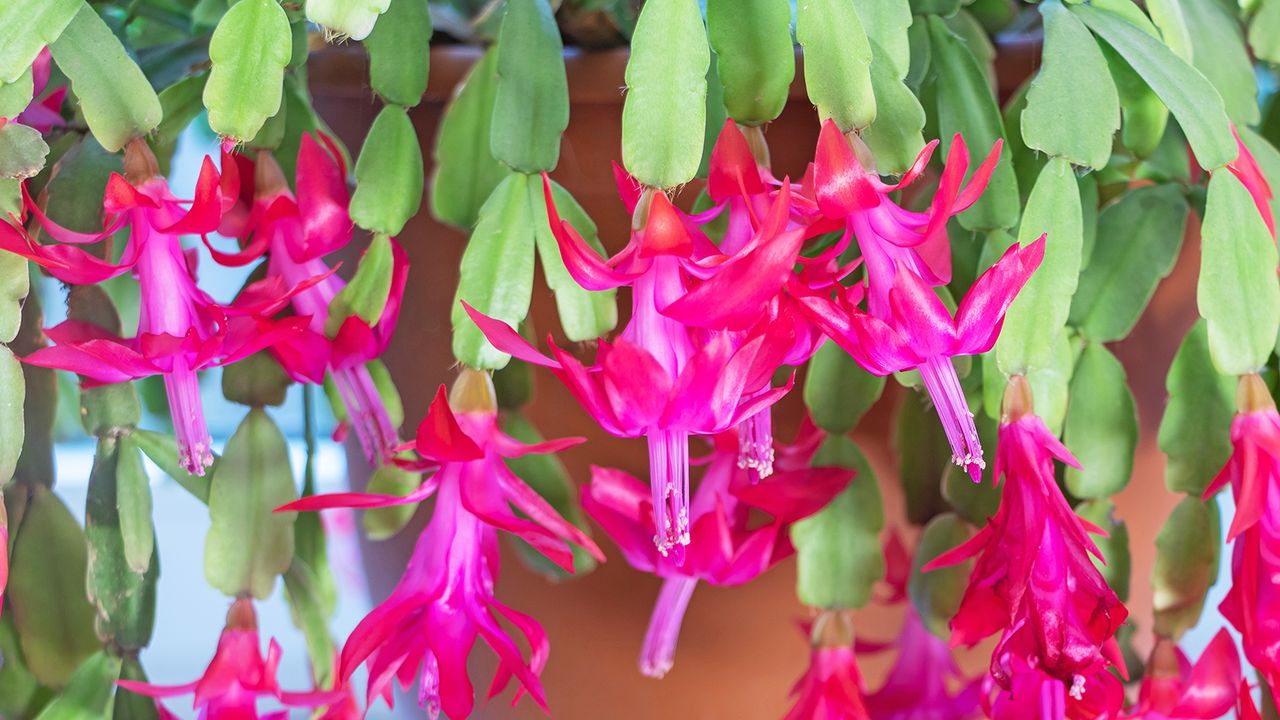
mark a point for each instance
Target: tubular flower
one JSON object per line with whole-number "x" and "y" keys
{"x": 726, "y": 549}
{"x": 1034, "y": 580}
{"x": 426, "y": 629}
{"x": 1253, "y": 603}
{"x": 920, "y": 333}
{"x": 296, "y": 233}
{"x": 831, "y": 689}
{"x": 917, "y": 685}
{"x": 1174, "y": 689}
{"x": 766, "y": 226}
{"x": 660, "y": 379}
{"x": 180, "y": 328}
{"x": 238, "y": 676}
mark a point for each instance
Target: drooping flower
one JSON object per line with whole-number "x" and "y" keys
{"x": 1174, "y": 689}
{"x": 1253, "y": 470}
{"x": 238, "y": 676}
{"x": 832, "y": 687}
{"x": 728, "y": 546}
{"x": 918, "y": 332}
{"x": 296, "y": 233}
{"x": 917, "y": 685}
{"x": 1034, "y": 581}
{"x": 426, "y": 629}
{"x": 890, "y": 237}
{"x": 660, "y": 379}
{"x": 767, "y": 222}
{"x": 180, "y": 328}
{"x": 45, "y": 113}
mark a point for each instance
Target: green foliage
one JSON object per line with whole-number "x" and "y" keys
{"x": 838, "y": 555}
{"x": 756, "y": 61}
{"x": 1186, "y": 565}
{"x": 531, "y": 105}
{"x": 967, "y": 108}
{"x": 248, "y": 543}
{"x": 388, "y": 174}
{"x": 249, "y": 51}
{"x": 1189, "y": 96}
{"x": 1195, "y": 432}
{"x": 29, "y": 27}
{"x": 837, "y": 391}
{"x": 1072, "y": 106}
{"x": 46, "y": 591}
{"x": 465, "y": 169}
{"x": 1101, "y": 427}
{"x": 399, "y": 52}
{"x": 936, "y": 594}
{"x": 22, "y": 152}
{"x": 664, "y": 115}
{"x": 837, "y": 67}
{"x": 115, "y": 96}
{"x": 1038, "y": 315}
{"x": 497, "y": 271}
{"x": 1238, "y": 294}
{"x": 584, "y": 314}
{"x": 1139, "y": 238}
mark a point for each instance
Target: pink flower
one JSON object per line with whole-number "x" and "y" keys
{"x": 660, "y": 379}
{"x": 296, "y": 233}
{"x": 180, "y": 328}
{"x": 831, "y": 689}
{"x": 1174, "y": 689}
{"x": 425, "y": 630}
{"x": 1034, "y": 581}
{"x": 43, "y": 114}
{"x": 1033, "y": 694}
{"x": 889, "y": 236}
{"x": 728, "y": 545}
{"x": 238, "y": 676}
{"x": 1253, "y": 603}
{"x": 917, "y": 685}
{"x": 766, "y": 226}
{"x": 918, "y": 332}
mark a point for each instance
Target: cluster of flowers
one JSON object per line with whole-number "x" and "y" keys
{"x": 712, "y": 322}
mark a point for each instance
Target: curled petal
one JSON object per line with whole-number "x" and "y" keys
{"x": 322, "y": 201}
{"x": 733, "y": 169}
{"x": 842, "y": 184}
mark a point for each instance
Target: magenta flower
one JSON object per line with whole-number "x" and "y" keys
{"x": 889, "y": 236}
{"x": 660, "y": 379}
{"x": 43, "y": 114}
{"x": 1034, "y": 581}
{"x": 238, "y": 676}
{"x": 918, "y": 332}
{"x": 426, "y": 629}
{"x": 831, "y": 689}
{"x": 1174, "y": 689}
{"x": 296, "y": 233}
{"x": 728, "y": 545}
{"x": 1253, "y": 603}
{"x": 766, "y": 226}
{"x": 917, "y": 685}
{"x": 1034, "y": 694}
{"x": 180, "y": 328}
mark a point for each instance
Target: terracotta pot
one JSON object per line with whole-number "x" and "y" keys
{"x": 740, "y": 649}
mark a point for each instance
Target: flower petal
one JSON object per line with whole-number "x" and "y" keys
{"x": 441, "y": 438}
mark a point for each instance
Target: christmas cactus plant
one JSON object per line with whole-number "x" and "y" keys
{"x": 984, "y": 235}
